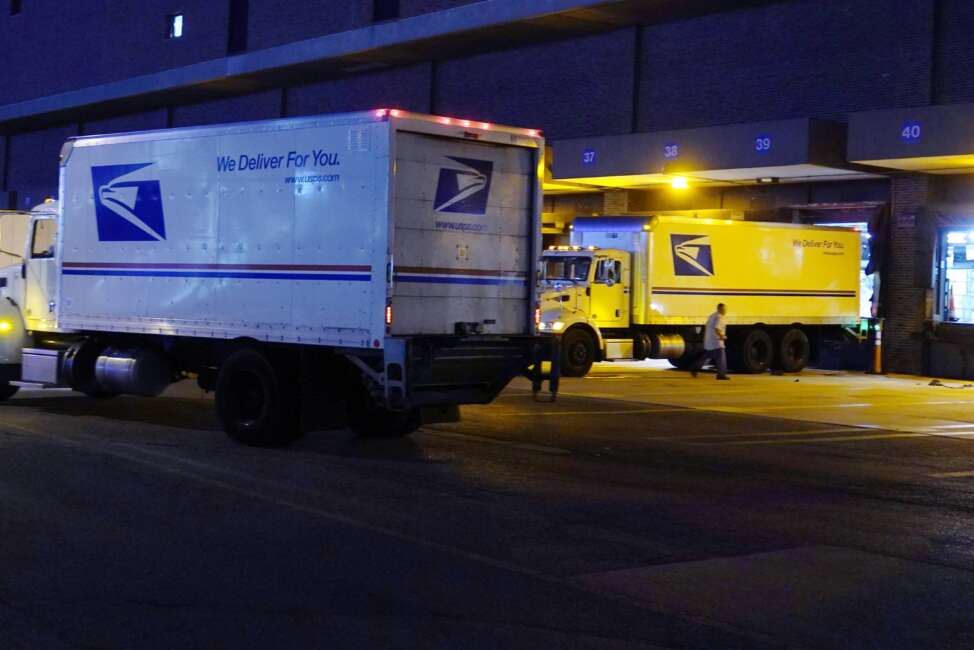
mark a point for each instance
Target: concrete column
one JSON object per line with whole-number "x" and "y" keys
{"x": 908, "y": 274}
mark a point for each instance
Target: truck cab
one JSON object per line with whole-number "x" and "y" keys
{"x": 28, "y": 282}
{"x": 585, "y": 292}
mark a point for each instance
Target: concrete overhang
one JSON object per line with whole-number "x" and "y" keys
{"x": 931, "y": 139}
{"x": 786, "y": 151}
{"x": 462, "y": 31}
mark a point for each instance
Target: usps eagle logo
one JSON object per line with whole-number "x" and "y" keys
{"x": 692, "y": 255}
{"x": 463, "y": 188}
{"x": 128, "y": 203}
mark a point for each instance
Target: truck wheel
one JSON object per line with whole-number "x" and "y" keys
{"x": 642, "y": 346}
{"x": 257, "y": 402}
{"x": 369, "y": 420}
{"x": 753, "y": 352}
{"x": 577, "y": 353}
{"x": 7, "y": 391}
{"x": 792, "y": 351}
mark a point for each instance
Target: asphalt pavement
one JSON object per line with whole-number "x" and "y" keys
{"x": 642, "y": 509}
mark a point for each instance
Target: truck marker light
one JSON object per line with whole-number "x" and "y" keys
{"x": 537, "y": 316}
{"x": 382, "y": 112}
{"x": 445, "y": 120}
{"x": 465, "y": 124}
{"x": 388, "y": 314}
{"x": 395, "y": 113}
{"x": 534, "y": 133}
{"x": 485, "y": 126}
{"x": 557, "y": 326}
{"x": 679, "y": 183}
{"x": 6, "y": 326}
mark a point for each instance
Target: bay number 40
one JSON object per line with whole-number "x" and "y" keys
{"x": 911, "y": 131}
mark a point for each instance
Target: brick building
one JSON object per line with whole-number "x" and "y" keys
{"x": 810, "y": 110}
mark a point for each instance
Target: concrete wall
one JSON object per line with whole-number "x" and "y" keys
{"x": 53, "y": 46}
{"x": 157, "y": 119}
{"x": 408, "y": 8}
{"x": 569, "y": 88}
{"x": 954, "y": 81}
{"x": 259, "y": 106}
{"x": 407, "y": 88}
{"x": 275, "y": 22}
{"x": 34, "y": 161}
{"x": 806, "y": 58}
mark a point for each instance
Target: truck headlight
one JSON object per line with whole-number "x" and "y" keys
{"x": 546, "y": 326}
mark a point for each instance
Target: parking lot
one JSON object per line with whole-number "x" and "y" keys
{"x": 643, "y": 508}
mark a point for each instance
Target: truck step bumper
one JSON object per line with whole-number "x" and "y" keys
{"x": 469, "y": 370}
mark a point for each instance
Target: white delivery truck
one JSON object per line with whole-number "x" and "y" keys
{"x": 643, "y": 287}
{"x": 379, "y": 264}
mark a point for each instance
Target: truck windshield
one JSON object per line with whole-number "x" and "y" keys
{"x": 564, "y": 268}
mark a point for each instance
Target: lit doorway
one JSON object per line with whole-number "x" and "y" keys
{"x": 956, "y": 287}
{"x": 868, "y": 284}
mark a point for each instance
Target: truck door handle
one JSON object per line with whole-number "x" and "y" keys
{"x": 23, "y": 270}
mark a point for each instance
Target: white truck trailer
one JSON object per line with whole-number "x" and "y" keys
{"x": 379, "y": 264}
{"x": 643, "y": 287}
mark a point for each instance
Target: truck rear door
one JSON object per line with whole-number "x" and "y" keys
{"x": 463, "y": 235}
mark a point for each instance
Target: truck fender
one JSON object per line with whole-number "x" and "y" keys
{"x": 13, "y": 333}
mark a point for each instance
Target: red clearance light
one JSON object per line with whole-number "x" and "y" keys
{"x": 485, "y": 126}
{"x": 388, "y": 314}
{"x": 465, "y": 123}
{"x": 444, "y": 120}
{"x": 534, "y": 133}
{"x": 395, "y": 112}
{"x": 382, "y": 112}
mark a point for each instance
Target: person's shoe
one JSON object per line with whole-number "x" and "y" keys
{"x": 723, "y": 377}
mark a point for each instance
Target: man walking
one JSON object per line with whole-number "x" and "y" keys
{"x": 714, "y": 344}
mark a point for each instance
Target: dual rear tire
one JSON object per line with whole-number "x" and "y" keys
{"x": 258, "y": 401}
{"x": 754, "y": 350}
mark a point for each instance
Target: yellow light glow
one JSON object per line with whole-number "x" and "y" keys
{"x": 6, "y": 326}
{"x": 557, "y": 326}
{"x": 679, "y": 183}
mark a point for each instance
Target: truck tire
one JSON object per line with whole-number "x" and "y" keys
{"x": 752, "y": 351}
{"x": 792, "y": 350}
{"x": 642, "y": 346}
{"x": 7, "y": 391}
{"x": 257, "y": 401}
{"x": 577, "y": 353}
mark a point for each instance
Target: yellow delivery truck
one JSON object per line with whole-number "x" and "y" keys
{"x": 643, "y": 287}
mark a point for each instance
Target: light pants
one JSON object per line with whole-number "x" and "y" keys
{"x": 717, "y": 356}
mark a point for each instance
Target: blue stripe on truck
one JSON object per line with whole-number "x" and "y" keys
{"x": 245, "y": 275}
{"x": 429, "y": 279}
{"x": 789, "y": 294}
